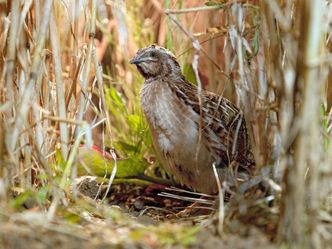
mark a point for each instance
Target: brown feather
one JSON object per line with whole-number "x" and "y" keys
{"x": 188, "y": 136}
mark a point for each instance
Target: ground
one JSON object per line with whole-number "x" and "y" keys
{"x": 133, "y": 217}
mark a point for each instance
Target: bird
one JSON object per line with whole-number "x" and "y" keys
{"x": 191, "y": 130}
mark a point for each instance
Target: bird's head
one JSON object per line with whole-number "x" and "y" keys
{"x": 155, "y": 61}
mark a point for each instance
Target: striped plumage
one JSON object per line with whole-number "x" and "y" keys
{"x": 189, "y": 137}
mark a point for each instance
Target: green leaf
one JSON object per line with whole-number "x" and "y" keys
{"x": 189, "y": 73}
{"x": 326, "y": 138}
{"x": 72, "y": 218}
{"x": 42, "y": 194}
{"x": 30, "y": 197}
{"x": 60, "y": 165}
{"x": 168, "y": 234}
{"x": 21, "y": 198}
{"x": 117, "y": 100}
{"x": 130, "y": 149}
{"x": 94, "y": 162}
{"x": 134, "y": 122}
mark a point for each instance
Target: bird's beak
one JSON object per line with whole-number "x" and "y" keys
{"x": 141, "y": 58}
{"x": 136, "y": 60}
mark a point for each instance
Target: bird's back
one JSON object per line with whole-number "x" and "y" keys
{"x": 190, "y": 137}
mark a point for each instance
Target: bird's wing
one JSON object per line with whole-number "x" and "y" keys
{"x": 224, "y": 120}
{"x": 222, "y": 123}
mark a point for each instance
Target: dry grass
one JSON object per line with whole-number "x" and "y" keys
{"x": 271, "y": 58}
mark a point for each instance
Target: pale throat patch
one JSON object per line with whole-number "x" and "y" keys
{"x": 144, "y": 67}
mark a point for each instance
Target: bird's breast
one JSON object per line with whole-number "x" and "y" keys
{"x": 175, "y": 134}
{"x": 174, "y": 123}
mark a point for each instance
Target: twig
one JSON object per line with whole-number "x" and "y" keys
{"x": 64, "y": 134}
{"x": 194, "y": 9}
{"x": 221, "y": 208}
{"x": 86, "y": 72}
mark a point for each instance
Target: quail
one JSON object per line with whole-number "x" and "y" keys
{"x": 191, "y": 130}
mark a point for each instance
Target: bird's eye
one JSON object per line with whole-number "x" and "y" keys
{"x": 153, "y": 54}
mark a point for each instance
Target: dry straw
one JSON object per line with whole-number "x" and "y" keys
{"x": 270, "y": 57}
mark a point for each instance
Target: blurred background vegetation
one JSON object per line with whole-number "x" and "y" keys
{"x": 70, "y": 102}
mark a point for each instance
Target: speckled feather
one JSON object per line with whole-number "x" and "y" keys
{"x": 176, "y": 120}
